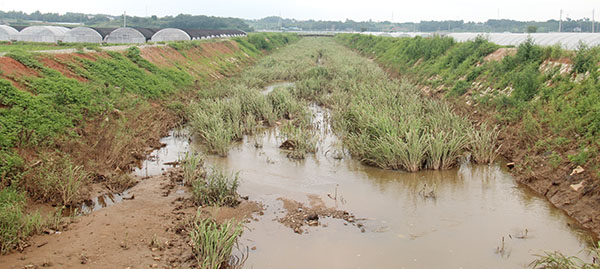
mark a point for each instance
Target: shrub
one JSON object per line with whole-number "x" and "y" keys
{"x": 526, "y": 83}
{"x": 585, "y": 59}
{"x": 459, "y": 88}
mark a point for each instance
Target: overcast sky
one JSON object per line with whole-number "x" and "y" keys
{"x": 377, "y": 10}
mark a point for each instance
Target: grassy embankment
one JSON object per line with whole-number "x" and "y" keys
{"x": 546, "y": 99}
{"x": 382, "y": 122}
{"x": 547, "y": 96}
{"x": 67, "y": 121}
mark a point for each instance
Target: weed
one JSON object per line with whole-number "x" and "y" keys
{"x": 155, "y": 243}
{"x": 299, "y": 140}
{"x": 459, "y": 88}
{"x": 555, "y": 160}
{"x": 56, "y": 180}
{"x": 12, "y": 205}
{"x": 581, "y": 157}
{"x": 212, "y": 243}
{"x": 216, "y": 189}
{"x": 193, "y": 168}
{"x": 531, "y": 128}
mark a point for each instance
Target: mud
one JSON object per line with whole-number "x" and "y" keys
{"x": 299, "y": 215}
{"x": 118, "y": 236}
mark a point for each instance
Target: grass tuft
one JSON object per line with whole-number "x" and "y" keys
{"x": 213, "y": 243}
{"x": 216, "y": 189}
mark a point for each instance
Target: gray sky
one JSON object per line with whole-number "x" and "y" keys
{"x": 377, "y": 10}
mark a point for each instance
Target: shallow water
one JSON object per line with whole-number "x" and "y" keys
{"x": 270, "y": 88}
{"x": 462, "y": 227}
{"x": 177, "y": 144}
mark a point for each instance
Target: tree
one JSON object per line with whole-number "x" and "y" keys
{"x": 532, "y": 29}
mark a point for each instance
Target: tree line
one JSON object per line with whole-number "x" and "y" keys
{"x": 277, "y": 23}
{"x": 181, "y": 21}
{"x": 568, "y": 25}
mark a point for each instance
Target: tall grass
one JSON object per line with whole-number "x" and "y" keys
{"x": 193, "y": 168}
{"x": 302, "y": 139}
{"x": 56, "y": 180}
{"x": 15, "y": 224}
{"x": 216, "y": 189}
{"x": 381, "y": 121}
{"x": 483, "y": 146}
{"x": 213, "y": 243}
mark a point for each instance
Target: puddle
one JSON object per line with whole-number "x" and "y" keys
{"x": 270, "y": 88}
{"x": 177, "y": 144}
{"x": 462, "y": 227}
{"x": 102, "y": 201}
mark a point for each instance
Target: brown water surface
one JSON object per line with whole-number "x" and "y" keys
{"x": 475, "y": 206}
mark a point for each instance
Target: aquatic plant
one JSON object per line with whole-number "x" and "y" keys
{"x": 381, "y": 121}
{"x": 558, "y": 260}
{"x": 213, "y": 243}
{"x": 216, "y": 189}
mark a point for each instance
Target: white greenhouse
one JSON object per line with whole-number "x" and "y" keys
{"x": 566, "y": 40}
{"x": 125, "y": 35}
{"x": 83, "y": 35}
{"x": 7, "y": 33}
{"x": 48, "y": 34}
{"x": 170, "y": 34}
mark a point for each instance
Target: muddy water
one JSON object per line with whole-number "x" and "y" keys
{"x": 462, "y": 227}
{"x": 176, "y": 145}
{"x": 102, "y": 201}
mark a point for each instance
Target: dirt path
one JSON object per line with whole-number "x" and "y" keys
{"x": 114, "y": 237}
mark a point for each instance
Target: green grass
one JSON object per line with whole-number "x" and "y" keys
{"x": 558, "y": 260}
{"x": 15, "y": 224}
{"x": 216, "y": 189}
{"x": 8, "y": 46}
{"x": 213, "y": 243}
{"x": 521, "y": 90}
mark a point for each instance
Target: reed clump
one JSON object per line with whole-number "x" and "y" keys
{"x": 213, "y": 243}
{"x": 382, "y": 121}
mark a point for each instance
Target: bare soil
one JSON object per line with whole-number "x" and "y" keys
{"x": 117, "y": 236}
{"x": 500, "y": 53}
{"x": 53, "y": 63}
{"x": 12, "y": 70}
{"x": 150, "y": 230}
